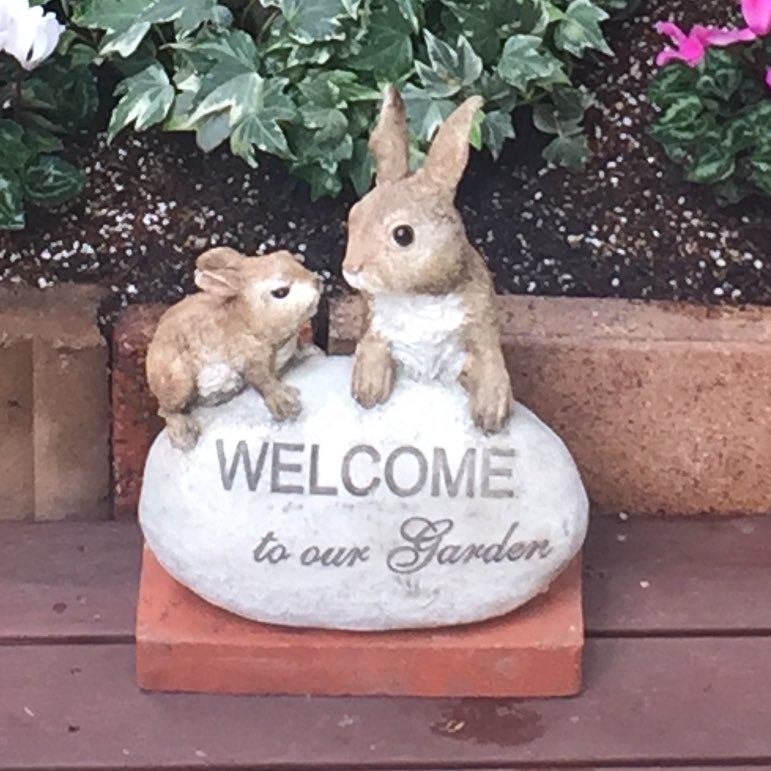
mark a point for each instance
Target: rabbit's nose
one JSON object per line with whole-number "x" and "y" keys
{"x": 352, "y": 264}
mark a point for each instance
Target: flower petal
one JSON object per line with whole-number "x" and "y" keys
{"x": 716, "y": 36}
{"x": 757, "y": 14}
{"x": 666, "y": 55}
{"x": 31, "y": 35}
{"x": 46, "y": 40}
{"x": 671, "y": 29}
{"x": 768, "y": 77}
{"x": 22, "y": 31}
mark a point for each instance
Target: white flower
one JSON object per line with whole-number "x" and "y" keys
{"x": 28, "y": 34}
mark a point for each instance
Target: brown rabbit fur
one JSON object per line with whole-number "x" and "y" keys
{"x": 430, "y": 299}
{"x": 241, "y": 329}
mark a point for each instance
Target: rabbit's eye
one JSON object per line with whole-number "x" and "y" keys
{"x": 281, "y": 292}
{"x": 404, "y": 235}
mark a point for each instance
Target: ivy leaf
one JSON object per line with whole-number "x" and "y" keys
{"x": 330, "y": 124}
{"x": 234, "y": 48}
{"x": 124, "y": 41}
{"x": 570, "y": 103}
{"x": 212, "y": 131}
{"x": 496, "y": 129}
{"x": 126, "y": 22}
{"x": 579, "y": 29}
{"x": 145, "y": 100}
{"x": 50, "y": 181}
{"x": 360, "y": 168}
{"x": 525, "y": 60}
{"x": 478, "y": 22}
{"x": 485, "y": 24}
{"x": 452, "y": 67}
{"x": 196, "y": 13}
{"x": 410, "y": 10}
{"x": 352, "y": 7}
{"x": 562, "y": 112}
{"x": 386, "y": 49}
{"x": 11, "y": 204}
{"x": 255, "y": 107}
{"x": 13, "y": 151}
{"x": 311, "y": 21}
{"x": 619, "y": 8}
{"x": 425, "y": 111}
{"x": 323, "y": 181}
{"x": 349, "y": 87}
{"x": 496, "y": 92}
{"x": 571, "y": 151}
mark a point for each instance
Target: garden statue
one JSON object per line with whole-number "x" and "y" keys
{"x": 242, "y": 329}
{"x": 397, "y": 506}
{"x": 431, "y": 303}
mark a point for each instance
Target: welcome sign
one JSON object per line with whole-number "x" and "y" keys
{"x": 403, "y": 516}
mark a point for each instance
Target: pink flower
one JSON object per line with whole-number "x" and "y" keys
{"x": 692, "y": 47}
{"x": 768, "y": 77}
{"x": 757, "y": 14}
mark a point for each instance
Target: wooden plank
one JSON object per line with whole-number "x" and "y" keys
{"x": 689, "y": 576}
{"x": 647, "y": 702}
{"x": 678, "y": 576}
{"x": 68, "y": 581}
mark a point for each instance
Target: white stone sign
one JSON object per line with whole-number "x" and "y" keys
{"x": 402, "y": 516}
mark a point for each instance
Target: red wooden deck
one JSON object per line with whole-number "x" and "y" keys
{"x": 677, "y": 670}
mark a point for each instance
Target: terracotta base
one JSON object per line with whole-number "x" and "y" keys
{"x": 186, "y": 644}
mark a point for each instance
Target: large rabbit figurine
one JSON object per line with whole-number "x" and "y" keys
{"x": 430, "y": 301}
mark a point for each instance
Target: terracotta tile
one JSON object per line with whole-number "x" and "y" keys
{"x": 185, "y": 644}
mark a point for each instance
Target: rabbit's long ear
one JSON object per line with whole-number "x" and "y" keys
{"x": 217, "y": 271}
{"x": 218, "y": 258}
{"x": 389, "y": 142}
{"x": 448, "y": 155}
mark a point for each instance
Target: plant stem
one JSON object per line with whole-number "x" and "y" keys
{"x": 17, "y": 94}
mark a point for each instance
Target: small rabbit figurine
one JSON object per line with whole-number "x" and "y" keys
{"x": 242, "y": 329}
{"x": 430, "y": 299}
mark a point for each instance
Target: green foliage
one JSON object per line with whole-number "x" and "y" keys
{"x": 303, "y": 80}
{"x": 714, "y": 120}
{"x": 36, "y": 110}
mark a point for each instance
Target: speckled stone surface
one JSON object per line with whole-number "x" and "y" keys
{"x": 403, "y": 516}
{"x": 665, "y": 406}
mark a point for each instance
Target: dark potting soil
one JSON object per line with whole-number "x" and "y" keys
{"x": 627, "y": 226}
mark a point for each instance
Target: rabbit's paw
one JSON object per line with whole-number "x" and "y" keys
{"x": 283, "y": 402}
{"x": 491, "y": 402}
{"x": 373, "y": 375}
{"x": 183, "y": 431}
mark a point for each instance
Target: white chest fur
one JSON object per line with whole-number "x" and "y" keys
{"x": 424, "y": 332}
{"x": 220, "y": 380}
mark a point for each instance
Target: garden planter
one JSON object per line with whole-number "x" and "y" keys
{"x": 54, "y": 406}
{"x": 627, "y": 226}
{"x": 666, "y": 407}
